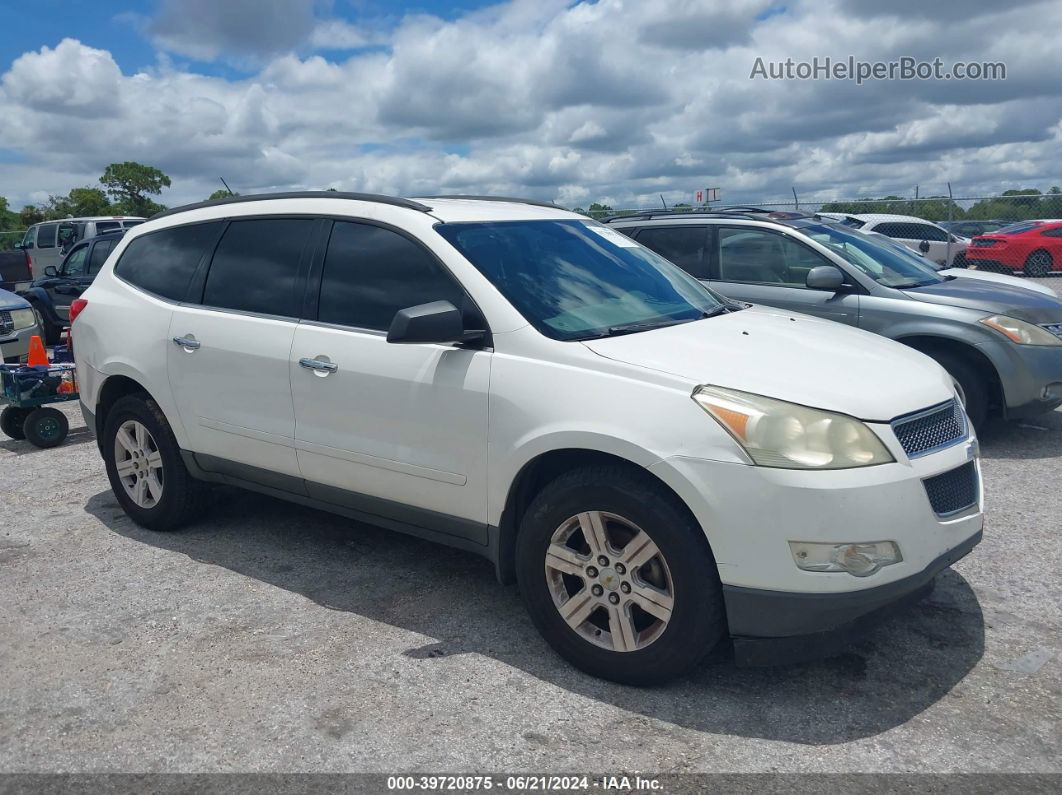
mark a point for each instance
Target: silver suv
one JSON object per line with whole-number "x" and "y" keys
{"x": 1001, "y": 343}
{"x": 48, "y": 242}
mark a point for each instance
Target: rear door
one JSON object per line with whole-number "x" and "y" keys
{"x": 762, "y": 266}
{"x": 231, "y": 343}
{"x": 389, "y": 428}
{"x": 70, "y": 283}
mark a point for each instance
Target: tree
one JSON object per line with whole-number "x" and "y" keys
{"x": 130, "y": 184}
{"x": 221, "y": 193}
{"x": 88, "y": 201}
{"x": 30, "y": 215}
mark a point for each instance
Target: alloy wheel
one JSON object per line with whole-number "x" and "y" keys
{"x": 1038, "y": 265}
{"x": 609, "y": 581}
{"x": 139, "y": 463}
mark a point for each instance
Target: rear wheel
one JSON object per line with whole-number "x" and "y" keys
{"x": 618, "y": 577}
{"x": 11, "y": 420}
{"x": 1038, "y": 265}
{"x": 144, "y": 466}
{"x": 974, "y": 389}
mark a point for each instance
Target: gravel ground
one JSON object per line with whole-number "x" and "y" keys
{"x": 275, "y": 638}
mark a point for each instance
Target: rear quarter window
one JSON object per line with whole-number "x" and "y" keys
{"x": 164, "y": 262}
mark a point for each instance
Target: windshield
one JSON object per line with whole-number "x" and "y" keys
{"x": 884, "y": 263}
{"x": 578, "y": 279}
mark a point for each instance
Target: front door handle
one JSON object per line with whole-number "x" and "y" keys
{"x": 320, "y": 366}
{"x": 189, "y": 343}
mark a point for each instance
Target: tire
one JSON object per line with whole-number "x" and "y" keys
{"x": 682, "y": 566}
{"x": 49, "y": 330}
{"x": 169, "y": 496}
{"x": 959, "y": 261}
{"x": 45, "y": 427}
{"x": 1038, "y": 265}
{"x": 11, "y": 420}
{"x": 975, "y": 389}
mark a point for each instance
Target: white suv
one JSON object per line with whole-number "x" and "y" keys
{"x": 658, "y": 467}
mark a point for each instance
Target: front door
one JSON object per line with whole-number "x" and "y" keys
{"x": 228, "y": 358}
{"x": 765, "y": 267}
{"x": 394, "y": 430}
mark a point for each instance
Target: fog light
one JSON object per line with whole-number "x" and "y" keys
{"x": 859, "y": 560}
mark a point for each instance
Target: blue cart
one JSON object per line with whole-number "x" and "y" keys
{"x": 27, "y": 391}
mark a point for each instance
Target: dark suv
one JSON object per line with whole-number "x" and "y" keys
{"x": 51, "y": 295}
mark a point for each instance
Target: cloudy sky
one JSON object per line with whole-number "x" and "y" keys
{"x": 614, "y": 100}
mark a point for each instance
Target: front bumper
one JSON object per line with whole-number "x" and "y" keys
{"x": 14, "y": 347}
{"x": 772, "y": 627}
{"x": 1031, "y": 376}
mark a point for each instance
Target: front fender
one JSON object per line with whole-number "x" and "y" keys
{"x": 39, "y": 297}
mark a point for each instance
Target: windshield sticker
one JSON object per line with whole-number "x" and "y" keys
{"x": 611, "y": 235}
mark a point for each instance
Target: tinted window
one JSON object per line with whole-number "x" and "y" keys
{"x": 46, "y": 235}
{"x": 75, "y": 263}
{"x": 1056, "y": 232}
{"x": 683, "y": 245}
{"x": 579, "y": 279}
{"x": 1017, "y": 229}
{"x": 256, "y": 266}
{"x": 756, "y": 255}
{"x": 27, "y": 239}
{"x": 99, "y": 255}
{"x": 164, "y": 262}
{"x": 129, "y": 224}
{"x": 107, "y": 226}
{"x": 370, "y": 273}
{"x": 906, "y": 230}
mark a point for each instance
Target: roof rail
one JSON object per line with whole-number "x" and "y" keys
{"x": 511, "y": 199}
{"x": 674, "y": 214}
{"x": 300, "y": 194}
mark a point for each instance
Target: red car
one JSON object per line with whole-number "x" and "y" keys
{"x": 1034, "y": 247}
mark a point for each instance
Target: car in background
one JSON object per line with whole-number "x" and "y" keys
{"x": 51, "y": 294}
{"x": 971, "y": 229}
{"x": 1032, "y": 247}
{"x": 1001, "y": 343}
{"x": 15, "y": 271}
{"x": 17, "y": 325}
{"x": 47, "y": 243}
{"x": 972, "y": 272}
{"x": 930, "y": 240}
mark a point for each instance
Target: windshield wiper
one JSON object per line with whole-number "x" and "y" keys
{"x": 632, "y": 328}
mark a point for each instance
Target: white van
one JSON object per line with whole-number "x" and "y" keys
{"x": 46, "y": 243}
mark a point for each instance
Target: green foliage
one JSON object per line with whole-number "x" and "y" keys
{"x": 88, "y": 201}
{"x": 30, "y": 215}
{"x": 130, "y": 184}
{"x": 221, "y": 193}
{"x": 1027, "y": 203}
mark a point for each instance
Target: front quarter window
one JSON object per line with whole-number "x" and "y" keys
{"x": 576, "y": 279}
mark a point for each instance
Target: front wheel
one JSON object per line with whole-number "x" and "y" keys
{"x": 618, "y": 577}
{"x": 144, "y": 465}
{"x": 1038, "y": 265}
{"x": 973, "y": 389}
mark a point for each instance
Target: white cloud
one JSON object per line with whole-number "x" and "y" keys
{"x": 617, "y": 99}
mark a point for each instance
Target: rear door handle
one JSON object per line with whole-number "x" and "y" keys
{"x": 189, "y": 343}
{"x": 318, "y": 365}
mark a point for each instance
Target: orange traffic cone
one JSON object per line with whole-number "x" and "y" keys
{"x": 38, "y": 357}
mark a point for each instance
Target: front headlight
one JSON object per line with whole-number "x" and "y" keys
{"x": 23, "y": 318}
{"x": 1020, "y": 332}
{"x": 779, "y": 434}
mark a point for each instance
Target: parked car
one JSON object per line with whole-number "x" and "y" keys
{"x": 48, "y": 242}
{"x": 972, "y": 272}
{"x": 1001, "y": 343}
{"x": 660, "y": 459}
{"x": 17, "y": 325}
{"x": 15, "y": 271}
{"x": 52, "y": 294}
{"x": 927, "y": 238}
{"x": 1032, "y": 247}
{"x": 971, "y": 229}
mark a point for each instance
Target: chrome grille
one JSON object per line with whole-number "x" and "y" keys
{"x": 1054, "y": 328}
{"x": 934, "y": 428}
{"x": 952, "y": 491}
{"x": 7, "y": 325}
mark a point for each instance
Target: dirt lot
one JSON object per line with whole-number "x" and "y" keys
{"x": 275, "y": 638}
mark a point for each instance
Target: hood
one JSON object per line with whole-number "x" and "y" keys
{"x": 1000, "y": 278}
{"x": 9, "y": 300}
{"x": 789, "y": 356}
{"x": 992, "y": 296}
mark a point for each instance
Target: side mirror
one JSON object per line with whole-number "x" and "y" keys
{"x": 51, "y": 271}
{"x": 825, "y": 277}
{"x": 439, "y": 321}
